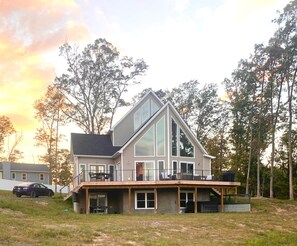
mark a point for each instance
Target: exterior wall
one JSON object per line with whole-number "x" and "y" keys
{"x": 118, "y": 200}
{"x": 125, "y": 128}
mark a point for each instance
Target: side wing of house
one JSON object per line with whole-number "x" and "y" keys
{"x": 135, "y": 118}
{"x": 92, "y": 153}
{"x": 165, "y": 148}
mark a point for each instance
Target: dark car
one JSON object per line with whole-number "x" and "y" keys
{"x": 32, "y": 190}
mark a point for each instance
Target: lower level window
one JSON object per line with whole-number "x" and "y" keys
{"x": 144, "y": 200}
{"x": 186, "y": 196}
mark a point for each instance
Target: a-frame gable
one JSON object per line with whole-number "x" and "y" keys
{"x": 188, "y": 130}
{"x": 135, "y": 118}
{"x": 171, "y": 111}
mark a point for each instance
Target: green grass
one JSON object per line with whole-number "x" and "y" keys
{"x": 26, "y": 221}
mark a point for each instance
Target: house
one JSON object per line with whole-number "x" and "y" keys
{"x": 149, "y": 162}
{"x": 24, "y": 172}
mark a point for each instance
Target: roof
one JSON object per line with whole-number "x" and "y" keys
{"x": 25, "y": 167}
{"x": 92, "y": 144}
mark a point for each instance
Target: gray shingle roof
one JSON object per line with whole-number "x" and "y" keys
{"x": 26, "y": 167}
{"x": 92, "y": 144}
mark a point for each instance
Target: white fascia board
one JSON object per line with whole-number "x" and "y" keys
{"x": 93, "y": 156}
{"x": 141, "y": 129}
{"x": 135, "y": 105}
{"x": 189, "y": 129}
{"x": 209, "y": 156}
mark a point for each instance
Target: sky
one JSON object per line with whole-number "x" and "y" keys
{"x": 180, "y": 40}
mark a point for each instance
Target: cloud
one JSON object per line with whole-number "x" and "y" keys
{"x": 28, "y": 30}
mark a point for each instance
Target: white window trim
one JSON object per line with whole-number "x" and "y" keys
{"x": 145, "y": 192}
{"x": 13, "y": 174}
{"x": 188, "y": 162}
{"x": 154, "y": 169}
{"x": 41, "y": 179}
{"x": 187, "y": 192}
{"x": 26, "y": 176}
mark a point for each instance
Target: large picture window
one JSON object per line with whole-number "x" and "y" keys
{"x": 147, "y": 109}
{"x": 144, "y": 199}
{"x": 160, "y": 132}
{"x": 180, "y": 143}
{"x": 186, "y": 148}
{"x": 146, "y": 144}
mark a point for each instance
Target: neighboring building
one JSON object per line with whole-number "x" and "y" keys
{"x": 24, "y": 172}
{"x": 149, "y": 162}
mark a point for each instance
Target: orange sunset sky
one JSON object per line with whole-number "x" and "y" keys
{"x": 179, "y": 39}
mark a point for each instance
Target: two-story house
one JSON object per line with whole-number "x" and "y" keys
{"x": 149, "y": 162}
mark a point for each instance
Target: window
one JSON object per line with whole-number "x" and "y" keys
{"x": 160, "y": 135}
{"x": 174, "y": 167}
{"x": 174, "y": 138}
{"x": 146, "y": 144}
{"x": 24, "y": 176}
{"x": 141, "y": 115}
{"x": 154, "y": 107}
{"x": 180, "y": 143}
{"x": 13, "y": 176}
{"x": 41, "y": 177}
{"x": 97, "y": 168}
{"x": 185, "y": 146}
{"x": 186, "y": 196}
{"x": 144, "y": 112}
{"x": 145, "y": 170}
{"x": 144, "y": 200}
{"x": 186, "y": 168}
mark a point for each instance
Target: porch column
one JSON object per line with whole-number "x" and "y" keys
{"x": 129, "y": 200}
{"x": 222, "y": 200}
{"x": 178, "y": 199}
{"x": 87, "y": 201}
{"x": 196, "y": 201}
{"x": 155, "y": 200}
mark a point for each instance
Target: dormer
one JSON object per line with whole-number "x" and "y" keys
{"x": 140, "y": 113}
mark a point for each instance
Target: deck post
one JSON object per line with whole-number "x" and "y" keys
{"x": 155, "y": 200}
{"x": 129, "y": 200}
{"x": 87, "y": 201}
{"x": 196, "y": 200}
{"x": 222, "y": 200}
{"x": 178, "y": 199}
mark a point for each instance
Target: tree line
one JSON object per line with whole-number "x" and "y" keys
{"x": 251, "y": 130}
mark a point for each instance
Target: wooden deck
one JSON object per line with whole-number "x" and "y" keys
{"x": 156, "y": 184}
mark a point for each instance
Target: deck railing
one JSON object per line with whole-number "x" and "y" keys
{"x": 142, "y": 175}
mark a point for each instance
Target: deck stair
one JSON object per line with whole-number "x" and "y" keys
{"x": 216, "y": 191}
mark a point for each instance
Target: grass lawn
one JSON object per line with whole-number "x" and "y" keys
{"x": 51, "y": 221}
